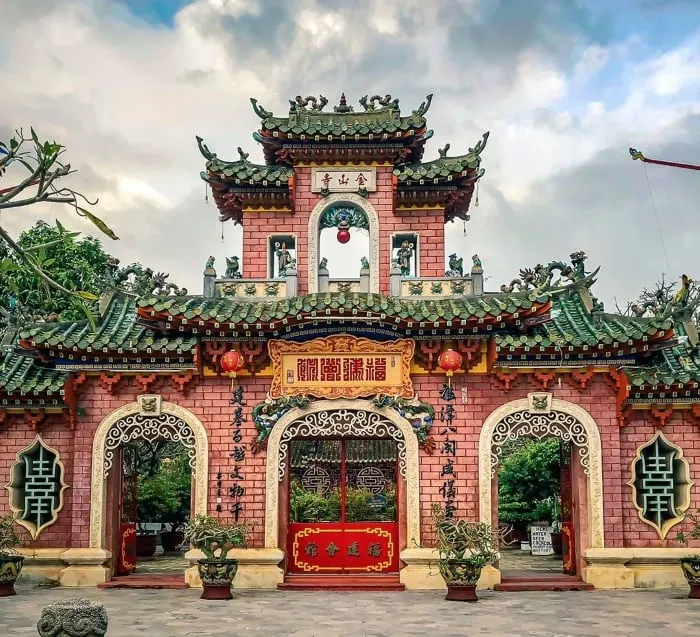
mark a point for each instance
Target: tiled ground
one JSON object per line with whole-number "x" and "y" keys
{"x": 169, "y": 563}
{"x": 666, "y": 613}
{"x": 517, "y": 562}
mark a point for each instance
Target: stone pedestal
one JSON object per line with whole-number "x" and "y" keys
{"x": 85, "y": 567}
{"x": 257, "y": 568}
{"x": 75, "y": 617}
{"x": 422, "y": 573}
{"x": 635, "y": 567}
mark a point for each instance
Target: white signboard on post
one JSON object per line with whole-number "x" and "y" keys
{"x": 541, "y": 540}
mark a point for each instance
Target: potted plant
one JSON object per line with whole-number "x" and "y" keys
{"x": 10, "y": 561}
{"x": 464, "y": 548}
{"x": 691, "y": 565}
{"x": 215, "y": 540}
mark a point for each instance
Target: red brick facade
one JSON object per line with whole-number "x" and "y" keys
{"x": 209, "y": 400}
{"x": 258, "y": 226}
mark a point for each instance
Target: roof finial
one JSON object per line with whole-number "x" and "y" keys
{"x": 343, "y": 106}
{"x": 443, "y": 151}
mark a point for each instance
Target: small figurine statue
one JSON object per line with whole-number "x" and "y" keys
{"x": 323, "y": 264}
{"x": 403, "y": 257}
{"x": 364, "y": 263}
{"x": 233, "y": 268}
{"x": 209, "y": 267}
{"x": 476, "y": 261}
{"x": 456, "y": 266}
{"x": 284, "y": 259}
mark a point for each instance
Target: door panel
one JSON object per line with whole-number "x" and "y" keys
{"x": 343, "y": 514}
{"x": 568, "y": 543}
{"x": 126, "y": 562}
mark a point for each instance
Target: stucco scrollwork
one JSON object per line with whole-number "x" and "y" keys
{"x": 164, "y": 426}
{"x": 525, "y": 424}
{"x": 332, "y": 201}
{"x": 342, "y": 423}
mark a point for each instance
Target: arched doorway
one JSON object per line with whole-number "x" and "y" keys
{"x": 540, "y": 416}
{"x": 337, "y": 425}
{"x": 149, "y": 419}
{"x": 368, "y": 213}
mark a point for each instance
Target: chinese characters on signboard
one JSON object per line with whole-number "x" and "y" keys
{"x": 335, "y": 369}
{"x": 341, "y": 366}
{"x": 448, "y": 449}
{"x": 344, "y": 179}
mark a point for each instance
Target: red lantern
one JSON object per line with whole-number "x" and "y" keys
{"x": 231, "y": 362}
{"x": 343, "y": 235}
{"x": 450, "y": 361}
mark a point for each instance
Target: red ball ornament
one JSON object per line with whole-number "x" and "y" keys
{"x": 231, "y": 362}
{"x": 450, "y": 361}
{"x": 343, "y": 236}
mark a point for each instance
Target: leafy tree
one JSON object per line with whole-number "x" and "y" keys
{"x": 76, "y": 264}
{"x": 36, "y": 171}
{"x": 528, "y": 481}
{"x": 667, "y": 298}
{"x": 165, "y": 496}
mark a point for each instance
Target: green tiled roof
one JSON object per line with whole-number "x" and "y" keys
{"x": 677, "y": 365}
{"x": 116, "y": 329}
{"x": 20, "y": 376}
{"x": 343, "y": 120}
{"x": 572, "y": 324}
{"x": 227, "y": 310}
{"x": 444, "y": 168}
{"x": 243, "y": 171}
{"x": 307, "y": 452}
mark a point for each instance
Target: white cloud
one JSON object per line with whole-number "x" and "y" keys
{"x": 127, "y": 99}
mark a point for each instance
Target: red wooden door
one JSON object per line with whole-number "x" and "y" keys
{"x": 568, "y": 543}
{"x": 128, "y": 500}
{"x": 343, "y": 507}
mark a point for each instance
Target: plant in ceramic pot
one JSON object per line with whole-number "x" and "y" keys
{"x": 10, "y": 561}
{"x": 691, "y": 565}
{"x": 215, "y": 539}
{"x": 464, "y": 548}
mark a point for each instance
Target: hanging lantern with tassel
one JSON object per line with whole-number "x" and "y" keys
{"x": 449, "y": 362}
{"x": 232, "y": 363}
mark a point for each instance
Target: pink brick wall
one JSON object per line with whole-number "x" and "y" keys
{"x": 209, "y": 401}
{"x": 15, "y": 436}
{"x": 483, "y": 397}
{"x": 257, "y": 226}
{"x": 681, "y": 431}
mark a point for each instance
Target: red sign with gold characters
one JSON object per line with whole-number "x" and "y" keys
{"x": 328, "y": 548}
{"x": 341, "y": 367}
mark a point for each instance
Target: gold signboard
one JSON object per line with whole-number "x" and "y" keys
{"x": 341, "y": 367}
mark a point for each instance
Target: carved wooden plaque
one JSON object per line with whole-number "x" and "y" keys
{"x": 341, "y": 367}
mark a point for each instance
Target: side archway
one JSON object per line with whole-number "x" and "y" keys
{"x": 314, "y": 236}
{"x": 149, "y": 419}
{"x": 562, "y": 419}
{"x": 319, "y": 420}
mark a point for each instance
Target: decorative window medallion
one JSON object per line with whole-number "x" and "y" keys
{"x": 36, "y": 487}
{"x": 660, "y": 484}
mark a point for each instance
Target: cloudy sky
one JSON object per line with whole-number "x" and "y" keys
{"x": 564, "y": 86}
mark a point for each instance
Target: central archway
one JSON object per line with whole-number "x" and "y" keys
{"x": 317, "y": 420}
{"x": 314, "y": 236}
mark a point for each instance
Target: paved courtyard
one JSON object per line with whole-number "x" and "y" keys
{"x": 306, "y": 614}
